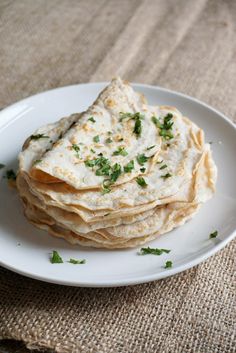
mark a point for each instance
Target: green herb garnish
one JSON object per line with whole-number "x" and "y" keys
{"x": 153, "y": 251}
{"x": 10, "y": 174}
{"x": 164, "y": 127}
{"x": 92, "y": 119}
{"x": 160, "y": 162}
{"x": 125, "y": 115}
{"x": 149, "y": 148}
{"x": 109, "y": 140}
{"x": 167, "y": 175}
{"x": 96, "y": 139}
{"x": 92, "y": 150}
{"x": 90, "y": 163}
{"x": 106, "y": 186}
{"x": 141, "y": 181}
{"x": 163, "y": 166}
{"x": 115, "y": 172}
{"x": 142, "y": 170}
{"x": 75, "y": 147}
{"x": 38, "y": 136}
{"x": 214, "y": 234}
{"x": 56, "y": 258}
{"x": 2, "y": 165}
{"x": 128, "y": 167}
{"x": 137, "y": 117}
{"x": 77, "y": 262}
{"x": 120, "y": 151}
{"x": 138, "y": 125}
{"x": 141, "y": 159}
{"x": 37, "y": 161}
{"x": 168, "y": 264}
{"x": 121, "y": 139}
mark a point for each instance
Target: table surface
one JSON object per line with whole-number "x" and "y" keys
{"x": 188, "y": 46}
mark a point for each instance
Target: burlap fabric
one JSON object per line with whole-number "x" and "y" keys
{"x": 184, "y": 45}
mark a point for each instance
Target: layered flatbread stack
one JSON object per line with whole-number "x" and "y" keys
{"x": 118, "y": 175}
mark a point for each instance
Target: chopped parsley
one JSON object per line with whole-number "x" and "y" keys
{"x": 120, "y": 151}
{"x": 165, "y": 127}
{"x": 109, "y": 140}
{"x": 160, "y": 162}
{"x": 138, "y": 123}
{"x": 168, "y": 264}
{"x": 38, "y": 136}
{"x": 167, "y": 175}
{"x": 77, "y": 262}
{"x": 163, "y": 166}
{"x": 109, "y": 133}
{"x": 214, "y": 234}
{"x": 125, "y": 115}
{"x": 142, "y": 170}
{"x": 56, "y": 258}
{"x": 153, "y": 251}
{"x": 121, "y": 139}
{"x": 92, "y": 119}
{"x": 96, "y": 139}
{"x": 149, "y": 148}
{"x": 104, "y": 167}
{"x": 10, "y": 174}
{"x": 141, "y": 159}
{"x": 128, "y": 167}
{"x": 92, "y": 150}
{"x": 75, "y": 147}
{"x": 90, "y": 163}
{"x": 115, "y": 172}
{"x": 37, "y": 161}
{"x": 141, "y": 182}
{"x": 2, "y": 165}
{"x": 106, "y": 186}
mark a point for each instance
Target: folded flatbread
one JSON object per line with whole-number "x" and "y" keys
{"x": 117, "y": 175}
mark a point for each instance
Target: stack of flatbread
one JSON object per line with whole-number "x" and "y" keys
{"x": 118, "y": 175}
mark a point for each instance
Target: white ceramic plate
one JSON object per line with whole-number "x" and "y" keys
{"x": 26, "y": 250}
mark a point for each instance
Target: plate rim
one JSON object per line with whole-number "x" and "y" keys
{"x": 143, "y": 278}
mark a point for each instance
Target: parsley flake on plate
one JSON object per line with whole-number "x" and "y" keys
{"x": 153, "y": 251}
{"x": 213, "y": 235}
{"x": 168, "y": 264}
{"x": 38, "y": 136}
{"x": 142, "y": 170}
{"x": 56, "y": 258}
{"x": 141, "y": 182}
{"x": 77, "y": 262}
{"x": 109, "y": 140}
{"x": 10, "y": 174}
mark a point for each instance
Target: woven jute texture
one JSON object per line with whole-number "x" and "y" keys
{"x": 185, "y": 45}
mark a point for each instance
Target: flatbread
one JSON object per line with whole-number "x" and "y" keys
{"x": 64, "y": 191}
